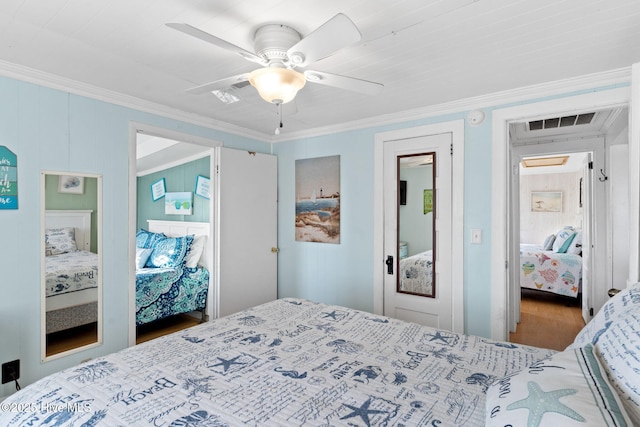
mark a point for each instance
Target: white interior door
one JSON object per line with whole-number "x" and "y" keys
{"x": 513, "y": 238}
{"x": 436, "y": 311}
{"x": 587, "y": 236}
{"x": 247, "y": 209}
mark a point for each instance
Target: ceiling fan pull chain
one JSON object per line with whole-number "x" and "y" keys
{"x": 280, "y": 116}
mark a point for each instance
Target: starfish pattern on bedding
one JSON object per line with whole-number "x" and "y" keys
{"x": 227, "y": 363}
{"x": 363, "y": 412}
{"x": 333, "y": 315}
{"x": 438, "y": 336}
{"x": 540, "y": 402}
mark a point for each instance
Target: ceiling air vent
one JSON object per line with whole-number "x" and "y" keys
{"x": 560, "y": 122}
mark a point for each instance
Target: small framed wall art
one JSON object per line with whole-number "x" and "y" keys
{"x": 203, "y": 187}
{"x": 71, "y": 184}
{"x": 158, "y": 189}
{"x": 180, "y": 203}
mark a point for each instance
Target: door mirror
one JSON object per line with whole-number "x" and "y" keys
{"x": 71, "y": 262}
{"x": 416, "y": 227}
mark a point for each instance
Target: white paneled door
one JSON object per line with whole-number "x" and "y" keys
{"x": 246, "y": 209}
{"x": 435, "y": 310}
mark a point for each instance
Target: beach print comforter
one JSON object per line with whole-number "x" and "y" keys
{"x": 550, "y": 271}
{"x": 416, "y": 273}
{"x": 70, "y": 272}
{"x": 285, "y": 363}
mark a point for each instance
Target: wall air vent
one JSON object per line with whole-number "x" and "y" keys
{"x": 560, "y": 122}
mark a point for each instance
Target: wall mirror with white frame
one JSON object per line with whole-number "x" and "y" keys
{"x": 71, "y": 262}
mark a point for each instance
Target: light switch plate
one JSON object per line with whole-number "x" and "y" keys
{"x": 476, "y": 236}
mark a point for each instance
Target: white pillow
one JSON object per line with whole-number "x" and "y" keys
{"x": 568, "y": 389}
{"x": 576, "y": 244}
{"x": 618, "y": 348}
{"x": 563, "y": 240}
{"x": 192, "y": 259}
{"x": 616, "y": 307}
{"x": 142, "y": 255}
{"x": 60, "y": 240}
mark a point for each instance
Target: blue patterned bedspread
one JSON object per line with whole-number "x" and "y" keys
{"x": 285, "y": 363}
{"x": 163, "y": 292}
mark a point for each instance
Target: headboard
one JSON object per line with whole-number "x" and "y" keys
{"x": 78, "y": 219}
{"x": 183, "y": 228}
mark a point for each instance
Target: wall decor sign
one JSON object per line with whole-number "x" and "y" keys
{"x": 180, "y": 203}
{"x": 8, "y": 179}
{"x": 203, "y": 187}
{"x": 318, "y": 200}
{"x": 546, "y": 201}
{"x": 71, "y": 184}
{"x": 158, "y": 189}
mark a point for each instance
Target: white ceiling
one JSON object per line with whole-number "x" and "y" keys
{"x": 425, "y": 52}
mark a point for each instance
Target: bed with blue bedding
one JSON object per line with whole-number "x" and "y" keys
{"x": 163, "y": 292}
{"x": 170, "y": 277}
{"x": 293, "y": 362}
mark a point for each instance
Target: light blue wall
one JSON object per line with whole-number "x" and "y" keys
{"x": 53, "y": 130}
{"x": 180, "y": 178}
{"x": 343, "y": 274}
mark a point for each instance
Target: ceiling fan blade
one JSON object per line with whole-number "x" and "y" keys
{"x": 219, "y": 84}
{"x": 209, "y": 38}
{"x": 349, "y": 83}
{"x": 336, "y": 33}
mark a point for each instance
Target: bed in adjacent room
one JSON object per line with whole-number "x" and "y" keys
{"x": 172, "y": 269}
{"x": 297, "y": 362}
{"x": 71, "y": 270}
{"x": 555, "y": 266}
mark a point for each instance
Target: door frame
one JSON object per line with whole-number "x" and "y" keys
{"x": 134, "y": 129}
{"x": 595, "y": 145}
{"x": 606, "y": 99}
{"x": 456, "y": 128}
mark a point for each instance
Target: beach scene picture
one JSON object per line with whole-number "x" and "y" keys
{"x": 318, "y": 200}
{"x": 546, "y": 201}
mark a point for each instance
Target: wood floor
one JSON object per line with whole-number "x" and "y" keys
{"x": 546, "y": 320}
{"x": 69, "y": 339}
{"x": 164, "y": 326}
{"x": 59, "y": 342}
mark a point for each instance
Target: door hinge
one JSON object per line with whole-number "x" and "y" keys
{"x": 451, "y": 148}
{"x": 506, "y": 264}
{"x": 590, "y": 165}
{"x": 591, "y": 311}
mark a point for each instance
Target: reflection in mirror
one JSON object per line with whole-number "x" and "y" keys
{"x": 416, "y": 228}
{"x": 71, "y": 262}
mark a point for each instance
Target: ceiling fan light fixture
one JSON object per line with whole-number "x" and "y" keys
{"x": 277, "y": 85}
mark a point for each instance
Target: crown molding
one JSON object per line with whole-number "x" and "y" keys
{"x": 526, "y": 93}
{"x": 30, "y": 75}
{"x": 554, "y": 88}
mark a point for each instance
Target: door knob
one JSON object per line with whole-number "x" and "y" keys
{"x": 274, "y": 249}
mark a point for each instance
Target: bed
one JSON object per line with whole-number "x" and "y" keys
{"x": 297, "y": 362}
{"x": 71, "y": 270}
{"x": 558, "y": 273}
{"x": 174, "y": 276}
{"x": 555, "y": 266}
{"x": 416, "y": 273}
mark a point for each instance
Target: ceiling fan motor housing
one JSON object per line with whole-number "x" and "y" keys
{"x": 273, "y": 40}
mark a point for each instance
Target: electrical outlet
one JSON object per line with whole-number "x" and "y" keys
{"x": 10, "y": 371}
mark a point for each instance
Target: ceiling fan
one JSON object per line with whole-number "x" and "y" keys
{"x": 281, "y": 50}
